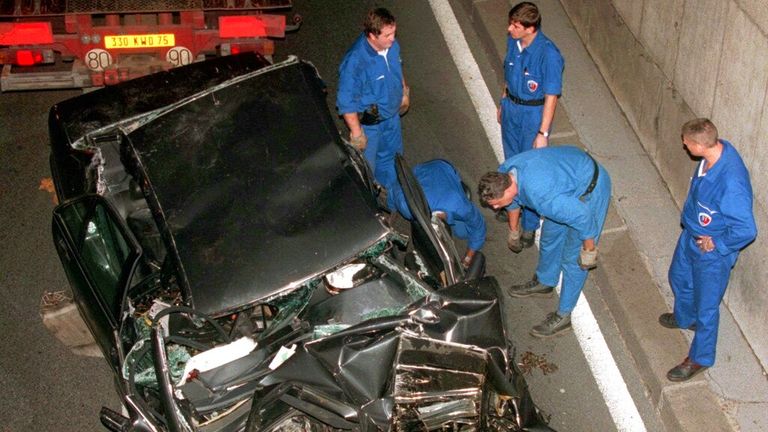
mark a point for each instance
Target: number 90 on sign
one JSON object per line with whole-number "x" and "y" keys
{"x": 179, "y": 56}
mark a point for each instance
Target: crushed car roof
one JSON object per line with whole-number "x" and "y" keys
{"x": 254, "y": 184}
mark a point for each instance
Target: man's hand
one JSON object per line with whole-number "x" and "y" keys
{"x": 588, "y": 259}
{"x": 467, "y": 258}
{"x": 513, "y": 241}
{"x": 405, "y": 104}
{"x": 360, "y": 142}
{"x": 705, "y": 243}
{"x": 540, "y": 141}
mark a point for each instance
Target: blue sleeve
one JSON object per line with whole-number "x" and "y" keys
{"x": 475, "y": 224}
{"x": 351, "y": 76}
{"x": 396, "y": 52}
{"x": 553, "y": 72}
{"x": 736, "y": 208}
{"x": 514, "y": 205}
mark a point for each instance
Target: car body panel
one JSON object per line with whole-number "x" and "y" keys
{"x": 98, "y": 255}
{"x": 428, "y": 227}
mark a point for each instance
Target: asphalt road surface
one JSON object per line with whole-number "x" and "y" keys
{"x": 46, "y": 388}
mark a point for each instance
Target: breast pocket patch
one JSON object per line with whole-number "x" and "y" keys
{"x": 705, "y": 216}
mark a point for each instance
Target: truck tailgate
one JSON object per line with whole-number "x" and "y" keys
{"x": 26, "y": 8}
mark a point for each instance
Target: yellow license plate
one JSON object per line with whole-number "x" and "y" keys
{"x": 140, "y": 41}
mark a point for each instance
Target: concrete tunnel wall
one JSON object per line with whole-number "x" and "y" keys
{"x": 668, "y": 61}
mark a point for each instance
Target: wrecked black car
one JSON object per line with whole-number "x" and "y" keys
{"x": 228, "y": 253}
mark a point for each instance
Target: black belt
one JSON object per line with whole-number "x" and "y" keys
{"x": 518, "y": 101}
{"x": 595, "y": 174}
{"x": 370, "y": 116}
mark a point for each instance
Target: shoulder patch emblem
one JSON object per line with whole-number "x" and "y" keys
{"x": 704, "y": 219}
{"x": 532, "y": 85}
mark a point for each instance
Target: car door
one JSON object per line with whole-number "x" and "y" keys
{"x": 431, "y": 232}
{"x": 99, "y": 255}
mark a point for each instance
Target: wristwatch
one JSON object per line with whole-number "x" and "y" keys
{"x": 546, "y": 134}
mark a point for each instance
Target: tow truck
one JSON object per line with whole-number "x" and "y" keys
{"x": 57, "y": 44}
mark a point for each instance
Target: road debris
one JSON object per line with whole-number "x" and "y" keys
{"x": 529, "y": 361}
{"x": 46, "y": 184}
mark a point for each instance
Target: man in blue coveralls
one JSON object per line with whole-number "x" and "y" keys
{"x": 571, "y": 191}
{"x": 445, "y": 195}
{"x": 533, "y": 73}
{"x": 717, "y": 223}
{"x": 372, "y": 94}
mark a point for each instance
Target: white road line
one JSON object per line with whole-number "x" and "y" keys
{"x": 470, "y": 73}
{"x": 614, "y": 230}
{"x": 601, "y": 361}
{"x": 564, "y": 134}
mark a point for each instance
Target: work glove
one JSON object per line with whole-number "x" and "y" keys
{"x": 406, "y": 102}
{"x": 360, "y": 142}
{"x": 588, "y": 259}
{"x": 513, "y": 241}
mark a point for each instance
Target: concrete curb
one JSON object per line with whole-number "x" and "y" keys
{"x": 624, "y": 279}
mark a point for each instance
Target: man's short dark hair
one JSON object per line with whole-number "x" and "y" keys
{"x": 526, "y": 13}
{"x": 376, "y": 20}
{"x": 701, "y": 130}
{"x": 492, "y": 186}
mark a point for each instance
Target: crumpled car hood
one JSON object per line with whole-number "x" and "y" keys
{"x": 407, "y": 373}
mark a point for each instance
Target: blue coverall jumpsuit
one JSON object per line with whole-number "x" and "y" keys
{"x": 552, "y": 181}
{"x": 367, "y": 78}
{"x": 530, "y": 74}
{"x": 442, "y": 187}
{"x": 719, "y": 205}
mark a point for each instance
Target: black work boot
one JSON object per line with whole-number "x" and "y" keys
{"x": 553, "y": 325}
{"x": 668, "y": 320}
{"x": 685, "y": 371}
{"x": 527, "y": 238}
{"x": 531, "y": 288}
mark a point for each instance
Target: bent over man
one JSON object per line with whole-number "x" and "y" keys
{"x": 372, "y": 94}
{"x": 717, "y": 223}
{"x": 571, "y": 191}
{"x": 533, "y": 75}
{"x": 445, "y": 195}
